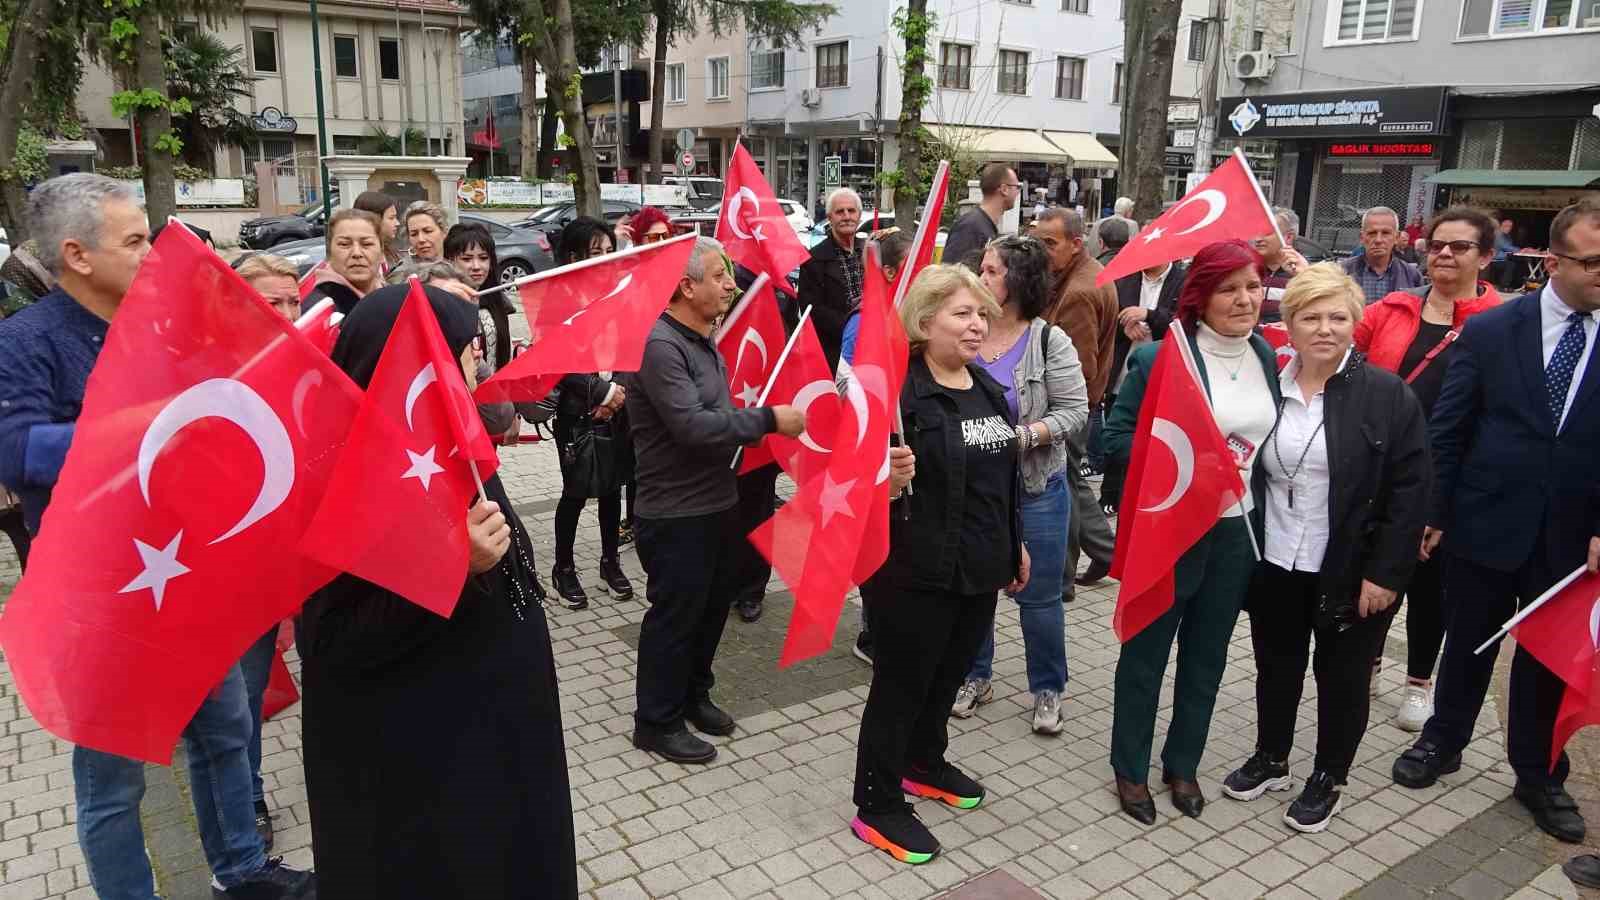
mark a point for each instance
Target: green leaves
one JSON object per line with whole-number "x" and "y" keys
{"x": 125, "y": 103}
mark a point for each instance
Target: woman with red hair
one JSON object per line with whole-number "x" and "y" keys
{"x": 650, "y": 225}
{"x": 1219, "y": 308}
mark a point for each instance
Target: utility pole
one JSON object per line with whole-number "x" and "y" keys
{"x": 427, "y": 101}
{"x": 616, "y": 101}
{"x": 1206, "y": 128}
{"x": 400, "y": 55}
{"x": 322, "y": 118}
{"x": 442, "y": 35}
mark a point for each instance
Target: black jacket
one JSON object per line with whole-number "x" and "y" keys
{"x": 1379, "y": 475}
{"x": 344, "y": 299}
{"x": 822, "y": 285}
{"x": 973, "y": 231}
{"x": 925, "y": 526}
{"x": 1128, "y": 288}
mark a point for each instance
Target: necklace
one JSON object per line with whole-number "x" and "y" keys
{"x": 1007, "y": 343}
{"x": 1277, "y": 450}
{"x": 1233, "y": 373}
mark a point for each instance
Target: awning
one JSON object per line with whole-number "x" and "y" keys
{"x": 1000, "y": 144}
{"x": 1516, "y": 178}
{"x": 1086, "y": 152}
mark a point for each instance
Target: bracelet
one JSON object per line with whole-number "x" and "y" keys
{"x": 1026, "y": 439}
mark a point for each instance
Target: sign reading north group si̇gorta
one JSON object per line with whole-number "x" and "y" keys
{"x": 1374, "y": 112}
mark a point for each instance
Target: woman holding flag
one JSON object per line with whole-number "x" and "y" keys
{"x": 1219, "y": 306}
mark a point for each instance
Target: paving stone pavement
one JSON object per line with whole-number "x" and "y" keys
{"x": 770, "y": 817}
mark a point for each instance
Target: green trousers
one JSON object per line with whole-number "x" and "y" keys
{"x": 1211, "y": 581}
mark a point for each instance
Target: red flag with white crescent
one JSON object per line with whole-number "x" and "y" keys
{"x": 805, "y": 383}
{"x": 320, "y": 325}
{"x": 921, "y": 252}
{"x": 1564, "y": 635}
{"x": 752, "y": 225}
{"x": 750, "y": 343}
{"x": 206, "y": 439}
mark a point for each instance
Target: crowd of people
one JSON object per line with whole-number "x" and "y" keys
{"x": 1430, "y": 441}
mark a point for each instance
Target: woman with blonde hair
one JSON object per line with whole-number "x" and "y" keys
{"x": 932, "y": 601}
{"x": 1347, "y": 476}
{"x": 426, "y": 224}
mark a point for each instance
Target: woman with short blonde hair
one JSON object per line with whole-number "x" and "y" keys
{"x": 426, "y": 224}
{"x": 277, "y": 281}
{"x": 1323, "y": 281}
{"x": 933, "y": 287}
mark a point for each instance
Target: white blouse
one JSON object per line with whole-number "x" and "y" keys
{"x": 1297, "y": 490}
{"x": 1241, "y": 400}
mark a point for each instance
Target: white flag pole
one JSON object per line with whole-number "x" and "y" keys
{"x": 927, "y": 230}
{"x": 1528, "y": 610}
{"x": 602, "y": 259}
{"x": 309, "y": 315}
{"x": 772, "y": 379}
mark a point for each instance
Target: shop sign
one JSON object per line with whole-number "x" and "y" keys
{"x": 1374, "y": 112}
{"x": 211, "y": 192}
{"x": 1399, "y": 148}
{"x": 1183, "y": 137}
{"x": 1183, "y": 112}
{"x": 1547, "y": 199}
{"x": 273, "y": 119}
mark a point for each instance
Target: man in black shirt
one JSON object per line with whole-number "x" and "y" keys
{"x": 981, "y": 224}
{"x": 830, "y": 281}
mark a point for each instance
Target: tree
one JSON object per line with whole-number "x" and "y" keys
{"x": 39, "y": 74}
{"x": 1150, "y": 39}
{"x": 210, "y": 76}
{"x": 379, "y": 142}
{"x": 911, "y": 175}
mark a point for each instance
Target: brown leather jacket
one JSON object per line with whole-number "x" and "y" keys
{"x": 1088, "y": 315}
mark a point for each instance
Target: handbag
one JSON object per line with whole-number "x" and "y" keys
{"x": 588, "y": 458}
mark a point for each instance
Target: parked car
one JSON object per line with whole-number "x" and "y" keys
{"x": 796, "y": 214}
{"x": 546, "y": 224}
{"x": 270, "y": 231}
{"x": 519, "y": 251}
{"x": 705, "y": 192}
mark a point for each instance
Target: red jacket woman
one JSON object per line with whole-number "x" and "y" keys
{"x": 1389, "y": 326}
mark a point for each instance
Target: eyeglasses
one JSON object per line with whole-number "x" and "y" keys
{"x": 654, "y": 237}
{"x": 1013, "y": 184}
{"x": 1590, "y": 264}
{"x": 1456, "y": 247}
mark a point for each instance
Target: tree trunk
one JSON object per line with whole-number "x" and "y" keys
{"x": 1144, "y": 137}
{"x": 22, "y": 53}
{"x": 547, "y": 130}
{"x": 658, "y": 89}
{"x": 912, "y": 152}
{"x": 530, "y": 117}
{"x": 570, "y": 84}
{"x": 159, "y": 165}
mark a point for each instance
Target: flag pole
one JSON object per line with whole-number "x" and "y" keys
{"x": 1528, "y": 610}
{"x": 310, "y": 314}
{"x": 601, "y": 259}
{"x": 773, "y": 378}
{"x": 926, "y": 230}
{"x": 738, "y": 311}
{"x": 1186, "y": 351}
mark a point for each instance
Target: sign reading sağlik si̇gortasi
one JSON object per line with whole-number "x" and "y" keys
{"x": 1373, "y": 112}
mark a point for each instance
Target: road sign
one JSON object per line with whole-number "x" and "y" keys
{"x": 686, "y": 163}
{"x": 685, "y": 139}
{"x": 832, "y": 171}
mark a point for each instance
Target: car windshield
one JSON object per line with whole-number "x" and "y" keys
{"x": 709, "y": 187}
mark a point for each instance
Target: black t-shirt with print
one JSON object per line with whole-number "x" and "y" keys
{"x": 991, "y": 446}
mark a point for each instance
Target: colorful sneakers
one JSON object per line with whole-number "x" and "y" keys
{"x": 947, "y": 784}
{"x": 898, "y": 833}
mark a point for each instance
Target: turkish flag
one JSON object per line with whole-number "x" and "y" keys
{"x": 1227, "y": 204}
{"x": 1181, "y": 476}
{"x": 206, "y": 439}
{"x": 1277, "y": 335}
{"x": 308, "y": 281}
{"x": 1564, "y": 635}
{"x": 590, "y": 316}
{"x": 922, "y": 245}
{"x": 752, "y": 225}
{"x": 878, "y": 371}
{"x": 805, "y": 383}
{"x": 281, "y": 692}
{"x": 396, "y": 513}
{"x": 320, "y": 324}
{"x": 751, "y": 340}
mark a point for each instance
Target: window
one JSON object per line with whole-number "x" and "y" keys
{"x": 955, "y": 66}
{"x": 1379, "y": 20}
{"x": 185, "y": 30}
{"x": 1116, "y": 85}
{"x": 264, "y": 50}
{"x": 717, "y": 78}
{"x": 675, "y": 92}
{"x": 1075, "y": 6}
{"x": 1257, "y": 39}
{"x": 389, "y": 59}
{"x": 833, "y": 64}
{"x": 1483, "y": 17}
{"x": 1013, "y": 72}
{"x": 1069, "y": 78}
{"x": 344, "y": 56}
{"x": 766, "y": 68}
{"x": 1197, "y": 40}
{"x": 346, "y": 145}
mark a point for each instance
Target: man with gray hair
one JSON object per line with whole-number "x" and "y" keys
{"x": 1376, "y": 268}
{"x": 92, "y": 236}
{"x": 686, "y": 526}
{"x": 830, "y": 281}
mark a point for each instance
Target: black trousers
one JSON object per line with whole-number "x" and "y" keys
{"x": 1480, "y": 600}
{"x": 757, "y": 500}
{"x": 1283, "y": 609}
{"x": 1425, "y": 617}
{"x": 568, "y": 509}
{"x": 689, "y": 582}
{"x": 11, "y": 524}
{"x": 923, "y": 645}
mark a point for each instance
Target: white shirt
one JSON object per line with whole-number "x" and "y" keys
{"x": 1241, "y": 401}
{"x": 1297, "y": 536}
{"x": 1150, "y": 288}
{"x": 1553, "y": 313}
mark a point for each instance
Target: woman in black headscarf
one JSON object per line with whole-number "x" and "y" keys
{"x": 434, "y": 759}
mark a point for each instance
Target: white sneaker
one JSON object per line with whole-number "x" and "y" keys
{"x": 1416, "y": 707}
{"x": 1047, "y": 713}
{"x": 973, "y": 694}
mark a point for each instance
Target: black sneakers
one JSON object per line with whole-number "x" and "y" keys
{"x": 898, "y": 833}
{"x": 264, "y": 823}
{"x": 750, "y": 609}
{"x": 945, "y": 783}
{"x": 679, "y": 746}
{"x": 1553, "y": 809}
{"x": 1257, "y": 776}
{"x": 617, "y": 583}
{"x": 568, "y": 587}
{"x": 1421, "y": 766}
{"x": 275, "y": 881}
{"x": 1316, "y": 806}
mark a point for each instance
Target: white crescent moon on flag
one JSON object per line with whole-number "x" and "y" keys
{"x": 225, "y": 398}
{"x": 622, "y": 285}
{"x": 1216, "y": 203}
{"x": 872, "y": 380}
{"x": 751, "y": 336}
{"x": 802, "y": 401}
{"x": 302, "y": 388}
{"x": 736, "y": 206}
{"x": 423, "y": 378}
{"x": 1170, "y": 434}
{"x": 1594, "y": 624}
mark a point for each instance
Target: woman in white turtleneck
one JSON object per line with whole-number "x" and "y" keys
{"x": 1219, "y": 307}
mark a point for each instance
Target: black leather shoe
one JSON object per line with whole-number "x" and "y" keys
{"x": 749, "y": 610}
{"x": 1554, "y": 810}
{"x": 708, "y": 719}
{"x": 1093, "y": 574}
{"x": 1186, "y": 796}
{"x": 1583, "y": 869}
{"x": 679, "y": 746}
{"x": 1136, "y": 801}
{"x": 1422, "y": 765}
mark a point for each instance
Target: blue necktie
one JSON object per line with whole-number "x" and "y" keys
{"x": 1558, "y": 374}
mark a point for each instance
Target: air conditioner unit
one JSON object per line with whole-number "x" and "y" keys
{"x": 1253, "y": 64}
{"x": 810, "y": 98}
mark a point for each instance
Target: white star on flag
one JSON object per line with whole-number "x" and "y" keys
{"x": 833, "y": 499}
{"x": 423, "y": 468}
{"x": 749, "y": 395}
{"x": 1155, "y": 233}
{"x": 160, "y": 566}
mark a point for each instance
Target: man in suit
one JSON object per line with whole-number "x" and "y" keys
{"x": 1147, "y": 301}
{"x": 830, "y": 281}
{"x": 1515, "y": 435}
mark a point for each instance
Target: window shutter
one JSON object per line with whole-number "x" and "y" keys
{"x": 1349, "y": 20}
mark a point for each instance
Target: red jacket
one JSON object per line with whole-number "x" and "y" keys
{"x": 1389, "y": 326}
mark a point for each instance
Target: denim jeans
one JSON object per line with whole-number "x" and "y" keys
{"x": 1095, "y": 451}
{"x": 109, "y": 789}
{"x": 1044, "y": 634}
{"x": 256, "y": 665}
